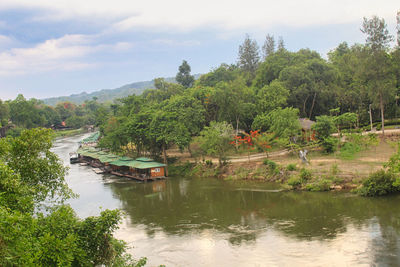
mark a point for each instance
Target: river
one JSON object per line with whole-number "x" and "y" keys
{"x": 209, "y": 222}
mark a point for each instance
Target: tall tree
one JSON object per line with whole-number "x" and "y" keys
{"x": 281, "y": 44}
{"x": 183, "y": 77}
{"x": 249, "y": 57}
{"x": 269, "y": 46}
{"x": 378, "y": 71}
{"x": 398, "y": 28}
{"x": 378, "y": 37}
{"x": 215, "y": 140}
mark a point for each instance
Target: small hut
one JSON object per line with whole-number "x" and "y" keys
{"x": 307, "y": 133}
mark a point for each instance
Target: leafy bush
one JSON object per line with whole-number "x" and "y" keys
{"x": 320, "y": 185}
{"x": 294, "y": 182}
{"x": 305, "y": 175}
{"x": 396, "y": 184}
{"x": 356, "y": 143}
{"x": 242, "y": 173}
{"x": 337, "y": 180}
{"x": 329, "y": 144}
{"x": 349, "y": 150}
{"x": 15, "y": 132}
{"x": 324, "y": 127}
{"x": 291, "y": 167}
{"x": 271, "y": 164}
{"x": 335, "y": 169}
{"x": 379, "y": 183}
{"x": 393, "y": 164}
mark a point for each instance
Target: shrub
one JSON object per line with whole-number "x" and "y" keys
{"x": 396, "y": 184}
{"x": 329, "y": 144}
{"x": 335, "y": 169}
{"x": 320, "y": 185}
{"x": 337, "y": 180}
{"x": 324, "y": 127}
{"x": 349, "y": 150}
{"x": 271, "y": 164}
{"x": 294, "y": 182}
{"x": 378, "y": 183}
{"x": 242, "y": 173}
{"x": 305, "y": 175}
{"x": 291, "y": 167}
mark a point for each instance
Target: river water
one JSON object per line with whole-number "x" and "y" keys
{"x": 209, "y": 222}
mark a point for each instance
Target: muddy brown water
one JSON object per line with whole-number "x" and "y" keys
{"x": 186, "y": 221}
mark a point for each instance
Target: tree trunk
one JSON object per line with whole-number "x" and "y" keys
{"x": 382, "y": 116}
{"x": 165, "y": 160}
{"x": 304, "y": 106}
{"x": 370, "y": 116}
{"x": 237, "y": 132}
{"x": 190, "y": 151}
{"x": 312, "y": 106}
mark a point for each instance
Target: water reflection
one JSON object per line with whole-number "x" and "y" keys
{"x": 209, "y": 222}
{"x": 181, "y": 205}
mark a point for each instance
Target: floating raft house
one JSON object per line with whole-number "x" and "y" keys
{"x": 91, "y": 139}
{"x": 142, "y": 168}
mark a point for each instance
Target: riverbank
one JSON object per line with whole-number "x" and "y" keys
{"x": 68, "y": 133}
{"x": 323, "y": 173}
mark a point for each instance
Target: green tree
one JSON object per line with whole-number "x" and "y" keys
{"x": 271, "y": 97}
{"x": 281, "y": 44}
{"x": 249, "y": 58}
{"x": 29, "y": 174}
{"x": 183, "y": 77}
{"x": 378, "y": 73}
{"x": 398, "y": 28}
{"x": 235, "y": 103}
{"x": 324, "y": 126}
{"x": 284, "y": 122}
{"x": 29, "y": 155}
{"x": 189, "y": 111}
{"x": 26, "y": 113}
{"x": 269, "y": 46}
{"x": 216, "y": 140}
{"x": 224, "y": 73}
{"x": 4, "y": 113}
{"x": 166, "y": 129}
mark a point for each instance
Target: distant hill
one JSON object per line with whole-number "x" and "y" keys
{"x": 105, "y": 95}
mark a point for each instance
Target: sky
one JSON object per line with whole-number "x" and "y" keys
{"x": 60, "y": 47}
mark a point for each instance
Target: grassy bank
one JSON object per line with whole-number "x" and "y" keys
{"x": 324, "y": 172}
{"x": 65, "y": 133}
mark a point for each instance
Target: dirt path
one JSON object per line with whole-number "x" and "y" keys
{"x": 276, "y": 154}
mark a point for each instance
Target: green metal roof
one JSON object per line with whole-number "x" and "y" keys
{"x": 137, "y": 164}
{"x": 147, "y": 165}
{"x": 119, "y": 162}
{"x": 124, "y": 158}
{"x": 145, "y": 159}
{"x": 92, "y": 138}
{"x": 108, "y": 158}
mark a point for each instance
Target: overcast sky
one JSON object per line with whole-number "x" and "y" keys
{"x": 53, "y": 48}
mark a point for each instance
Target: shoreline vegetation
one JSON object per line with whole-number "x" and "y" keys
{"x": 349, "y": 171}
{"x": 70, "y": 132}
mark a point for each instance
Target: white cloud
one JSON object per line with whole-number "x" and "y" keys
{"x": 5, "y": 40}
{"x": 66, "y": 53}
{"x": 184, "y": 15}
{"x": 171, "y": 42}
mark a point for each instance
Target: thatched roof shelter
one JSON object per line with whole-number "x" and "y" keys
{"x": 306, "y": 124}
